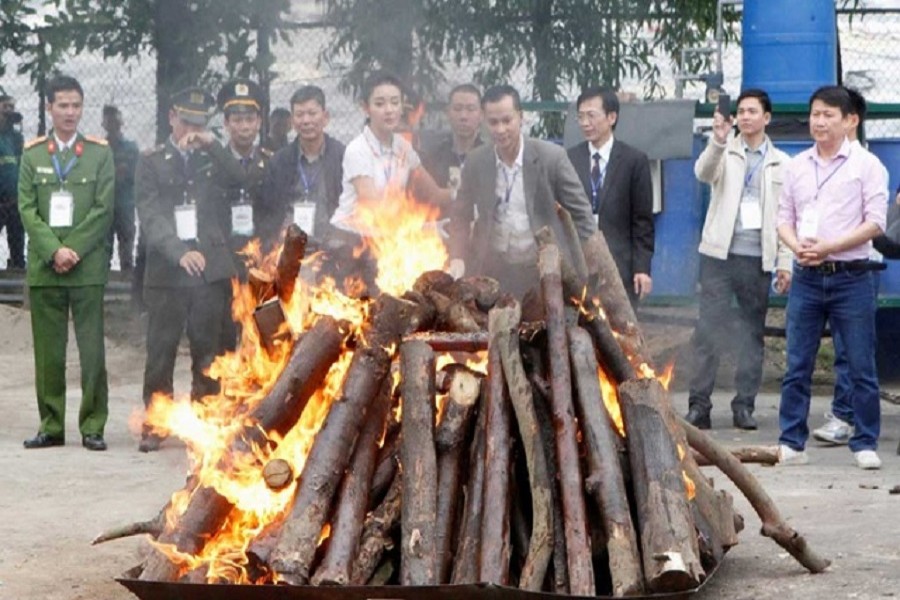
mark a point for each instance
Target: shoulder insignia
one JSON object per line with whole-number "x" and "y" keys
{"x": 96, "y": 140}
{"x": 35, "y": 142}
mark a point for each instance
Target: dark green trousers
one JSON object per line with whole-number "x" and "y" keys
{"x": 50, "y": 307}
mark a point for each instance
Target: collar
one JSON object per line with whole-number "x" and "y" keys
{"x": 604, "y": 150}
{"x": 63, "y": 147}
{"x": 240, "y": 156}
{"x": 843, "y": 152}
{"x": 518, "y": 162}
{"x": 762, "y": 149}
{"x": 376, "y": 144}
{"x": 312, "y": 159}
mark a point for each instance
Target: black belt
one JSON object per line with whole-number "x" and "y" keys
{"x": 831, "y": 267}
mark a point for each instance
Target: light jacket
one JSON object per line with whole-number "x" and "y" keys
{"x": 723, "y": 167}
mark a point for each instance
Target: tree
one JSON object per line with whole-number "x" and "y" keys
{"x": 188, "y": 38}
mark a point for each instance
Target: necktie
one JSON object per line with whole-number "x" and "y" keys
{"x": 596, "y": 182}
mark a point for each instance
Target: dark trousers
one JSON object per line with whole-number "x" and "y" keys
{"x": 722, "y": 281}
{"x": 50, "y": 307}
{"x": 15, "y": 234}
{"x": 123, "y": 228}
{"x": 171, "y": 310}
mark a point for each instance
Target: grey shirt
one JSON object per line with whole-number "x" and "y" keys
{"x": 748, "y": 242}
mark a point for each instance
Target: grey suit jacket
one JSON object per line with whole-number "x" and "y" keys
{"x": 548, "y": 178}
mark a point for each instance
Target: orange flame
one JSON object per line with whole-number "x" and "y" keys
{"x": 611, "y": 400}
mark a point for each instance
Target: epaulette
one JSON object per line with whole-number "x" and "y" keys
{"x": 35, "y": 142}
{"x": 96, "y": 140}
{"x": 154, "y": 150}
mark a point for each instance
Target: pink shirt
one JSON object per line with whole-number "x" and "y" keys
{"x": 844, "y": 192}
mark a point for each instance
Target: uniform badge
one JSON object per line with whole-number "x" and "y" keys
{"x": 196, "y": 98}
{"x": 241, "y": 89}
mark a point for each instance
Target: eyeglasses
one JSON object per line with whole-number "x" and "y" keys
{"x": 590, "y": 115}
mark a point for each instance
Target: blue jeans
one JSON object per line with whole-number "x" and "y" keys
{"x": 840, "y": 404}
{"x": 846, "y": 300}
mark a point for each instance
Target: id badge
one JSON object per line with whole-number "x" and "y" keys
{"x": 809, "y": 223}
{"x": 242, "y": 219}
{"x": 62, "y": 209}
{"x": 751, "y": 215}
{"x": 305, "y": 216}
{"x": 454, "y": 178}
{"x": 186, "y": 222}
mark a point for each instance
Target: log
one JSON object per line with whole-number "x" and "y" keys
{"x": 671, "y": 556}
{"x": 773, "y": 525}
{"x": 578, "y": 552}
{"x": 445, "y": 341}
{"x": 288, "y": 266}
{"x": 328, "y": 458}
{"x": 468, "y": 551}
{"x": 425, "y": 313}
{"x": 495, "y": 517}
{"x": 376, "y": 535}
{"x": 437, "y": 281}
{"x": 573, "y": 243}
{"x": 353, "y": 497}
{"x": 605, "y": 482}
{"x": 386, "y": 465}
{"x": 452, "y": 315}
{"x": 463, "y": 390}
{"x": 262, "y": 284}
{"x": 486, "y": 290}
{"x": 418, "y": 565}
{"x": 607, "y": 348}
{"x": 278, "y": 474}
{"x": 152, "y": 527}
{"x": 762, "y": 455}
{"x": 277, "y": 413}
{"x": 504, "y": 324}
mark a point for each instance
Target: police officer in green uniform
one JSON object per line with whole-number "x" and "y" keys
{"x": 66, "y": 191}
{"x": 188, "y": 262}
{"x": 10, "y": 152}
{"x": 237, "y": 183}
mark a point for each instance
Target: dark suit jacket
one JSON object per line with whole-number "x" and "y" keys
{"x": 626, "y": 206}
{"x": 548, "y": 178}
{"x": 161, "y": 185}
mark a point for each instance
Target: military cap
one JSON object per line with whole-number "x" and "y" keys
{"x": 193, "y": 105}
{"x": 240, "y": 95}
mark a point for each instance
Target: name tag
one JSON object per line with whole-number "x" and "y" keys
{"x": 242, "y": 219}
{"x": 809, "y": 223}
{"x": 454, "y": 177}
{"x": 62, "y": 209}
{"x": 305, "y": 216}
{"x": 751, "y": 215}
{"x": 186, "y": 222}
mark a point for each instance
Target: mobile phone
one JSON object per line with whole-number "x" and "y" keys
{"x": 723, "y": 105}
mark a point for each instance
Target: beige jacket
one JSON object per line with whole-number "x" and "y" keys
{"x": 723, "y": 168}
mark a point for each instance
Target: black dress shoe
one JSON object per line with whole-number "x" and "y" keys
{"x": 743, "y": 419}
{"x": 698, "y": 418}
{"x": 42, "y": 440}
{"x": 93, "y": 441}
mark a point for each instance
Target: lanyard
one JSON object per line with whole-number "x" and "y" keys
{"x": 819, "y": 186}
{"x": 63, "y": 172}
{"x": 749, "y": 176}
{"x": 308, "y": 182}
{"x": 596, "y": 184}
{"x": 509, "y": 182}
{"x": 386, "y": 165}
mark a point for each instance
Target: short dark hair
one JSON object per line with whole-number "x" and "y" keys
{"x": 380, "y": 78}
{"x": 833, "y": 95}
{"x": 760, "y": 95}
{"x": 607, "y": 95}
{"x": 280, "y": 112}
{"x": 63, "y": 83}
{"x": 307, "y": 93}
{"x": 858, "y": 104}
{"x": 110, "y": 110}
{"x": 465, "y": 88}
{"x": 497, "y": 93}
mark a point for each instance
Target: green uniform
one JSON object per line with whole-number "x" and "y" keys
{"x": 175, "y": 300}
{"x": 91, "y": 182}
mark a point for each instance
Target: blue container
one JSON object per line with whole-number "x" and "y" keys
{"x": 888, "y": 151}
{"x": 789, "y": 48}
{"x": 676, "y": 260}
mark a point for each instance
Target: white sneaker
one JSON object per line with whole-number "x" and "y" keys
{"x": 834, "y": 431}
{"x": 867, "y": 459}
{"x": 787, "y": 456}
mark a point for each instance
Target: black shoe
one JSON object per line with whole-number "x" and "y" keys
{"x": 42, "y": 440}
{"x": 93, "y": 441}
{"x": 149, "y": 443}
{"x": 743, "y": 419}
{"x": 698, "y": 418}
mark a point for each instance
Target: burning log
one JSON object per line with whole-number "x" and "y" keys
{"x": 277, "y": 413}
{"x": 468, "y": 550}
{"x": 262, "y": 284}
{"x": 376, "y": 535}
{"x": 762, "y": 455}
{"x": 433, "y": 281}
{"x": 419, "y": 460}
{"x": 495, "y": 517}
{"x": 353, "y": 498}
{"x": 328, "y": 458}
{"x": 607, "y": 347}
{"x": 485, "y": 290}
{"x": 452, "y": 342}
{"x": 504, "y": 326}
{"x": 278, "y": 474}
{"x": 152, "y": 527}
{"x": 581, "y": 571}
{"x": 669, "y": 545}
{"x": 452, "y": 315}
{"x": 463, "y": 389}
{"x": 288, "y": 266}
{"x": 773, "y": 525}
{"x": 605, "y": 482}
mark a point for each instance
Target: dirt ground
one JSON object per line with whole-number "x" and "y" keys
{"x": 54, "y": 501}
